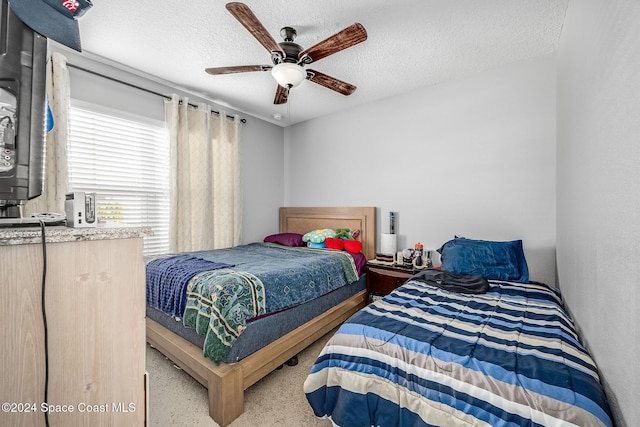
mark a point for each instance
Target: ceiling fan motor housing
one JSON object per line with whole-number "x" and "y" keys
{"x": 291, "y": 50}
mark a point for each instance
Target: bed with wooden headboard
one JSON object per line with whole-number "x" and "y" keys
{"x": 226, "y": 382}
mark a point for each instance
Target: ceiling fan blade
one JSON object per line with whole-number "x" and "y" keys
{"x": 348, "y": 37}
{"x": 246, "y": 17}
{"x": 237, "y": 69}
{"x": 331, "y": 82}
{"x": 282, "y": 95}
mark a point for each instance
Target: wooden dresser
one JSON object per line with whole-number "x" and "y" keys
{"x": 95, "y": 314}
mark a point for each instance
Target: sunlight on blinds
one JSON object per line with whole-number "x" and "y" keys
{"x": 125, "y": 160}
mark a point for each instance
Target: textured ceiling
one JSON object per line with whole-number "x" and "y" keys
{"x": 411, "y": 44}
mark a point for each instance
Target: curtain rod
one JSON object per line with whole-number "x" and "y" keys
{"x": 86, "y": 70}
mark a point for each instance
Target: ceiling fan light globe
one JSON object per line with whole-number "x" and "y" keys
{"x": 288, "y": 74}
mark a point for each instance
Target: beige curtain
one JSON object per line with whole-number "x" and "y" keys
{"x": 205, "y": 202}
{"x": 55, "y": 178}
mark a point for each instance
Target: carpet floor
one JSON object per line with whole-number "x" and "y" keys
{"x": 176, "y": 399}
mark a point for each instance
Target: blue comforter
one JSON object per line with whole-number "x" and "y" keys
{"x": 423, "y": 356}
{"x": 167, "y": 280}
{"x": 226, "y": 288}
{"x": 290, "y": 275}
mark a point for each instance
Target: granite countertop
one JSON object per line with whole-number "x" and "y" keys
{"x": 59, "y": 234}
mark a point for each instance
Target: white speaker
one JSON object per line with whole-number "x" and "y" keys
{"x": 80, "y": 208}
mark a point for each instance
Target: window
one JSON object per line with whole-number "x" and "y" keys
{"x": 125, "y": 160}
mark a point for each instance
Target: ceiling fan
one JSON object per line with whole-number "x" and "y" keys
{"x": 289, "y": 58}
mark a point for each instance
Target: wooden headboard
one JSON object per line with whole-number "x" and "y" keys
{"x": 303, "y": 220}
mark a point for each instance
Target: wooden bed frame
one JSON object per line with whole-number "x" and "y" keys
{"x": 226, "y": 382}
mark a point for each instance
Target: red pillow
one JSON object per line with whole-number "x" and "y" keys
{"x": 332, "y": 243}
{"x": 353, "y": 246}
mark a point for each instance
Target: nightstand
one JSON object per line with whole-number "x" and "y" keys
{"x": 382, "y": 279}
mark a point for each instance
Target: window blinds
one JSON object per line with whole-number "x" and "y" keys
{"x": 125, "y": 160}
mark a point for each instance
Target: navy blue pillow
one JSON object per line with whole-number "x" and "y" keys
{"x": 489, "y": 259}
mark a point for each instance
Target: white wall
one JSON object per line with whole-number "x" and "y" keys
{"x": 599, "y": 189}
{"x": 473, "y": 157}
{"x": 262, "y": 163}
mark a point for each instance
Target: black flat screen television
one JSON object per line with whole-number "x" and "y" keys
{"x": 23, "y": 57}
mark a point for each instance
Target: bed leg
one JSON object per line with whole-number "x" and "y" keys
{"x": 226, "y": 395}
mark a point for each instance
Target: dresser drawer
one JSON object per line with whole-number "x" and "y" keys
{"x": 381, "y": 281}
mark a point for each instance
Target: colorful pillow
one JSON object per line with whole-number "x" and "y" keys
{"x": 285, "y": 239}
{"x": 318, "y": 236}
{"x": 489, "y": 259}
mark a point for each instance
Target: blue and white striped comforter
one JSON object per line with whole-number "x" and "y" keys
{"x": 426, "y": 356}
